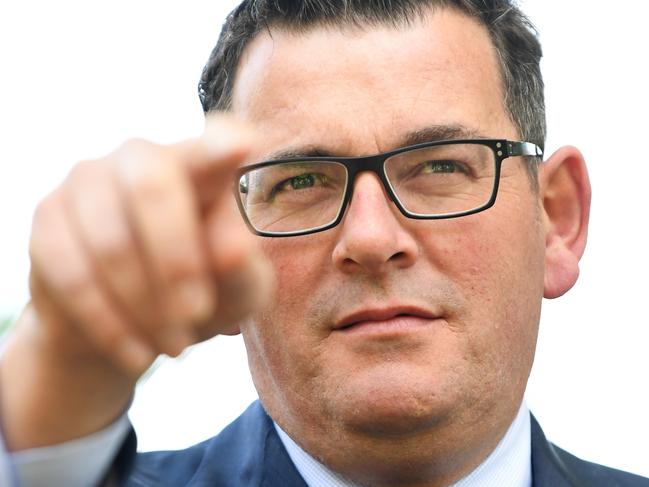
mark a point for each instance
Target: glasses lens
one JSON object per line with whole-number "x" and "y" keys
{"x": 444, "y": 179}
{"x": 295, "y": 196}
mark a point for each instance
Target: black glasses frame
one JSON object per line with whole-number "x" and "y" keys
{"x": 501, "y": 148}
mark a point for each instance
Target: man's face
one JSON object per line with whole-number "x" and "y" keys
{"x": 386, "y": 329}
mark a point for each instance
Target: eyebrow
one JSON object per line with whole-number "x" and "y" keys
{"x": 434, "y": 133}
{"x": 431, "y": 133}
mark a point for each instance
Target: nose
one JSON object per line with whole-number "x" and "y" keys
{"x": 372, "y": 238}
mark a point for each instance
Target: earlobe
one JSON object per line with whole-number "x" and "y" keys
{"x": 565, "y": 194}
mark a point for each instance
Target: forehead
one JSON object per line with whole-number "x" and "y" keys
{"x": 356, "y": 90}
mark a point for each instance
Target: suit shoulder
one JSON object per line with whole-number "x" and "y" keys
{"x": 166, "y": 467}
{"x": 555, "y": 467}
{"x": 593, "y": 474}
{"x": 223, "y": 458}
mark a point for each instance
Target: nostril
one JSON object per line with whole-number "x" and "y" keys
{"x": 403, "y": 259}
{"x": 402, "y": 256}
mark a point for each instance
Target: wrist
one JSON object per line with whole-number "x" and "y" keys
{"x": 54, "y": 388}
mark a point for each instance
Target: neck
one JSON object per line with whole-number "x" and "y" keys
{"x": 410, "y": 463}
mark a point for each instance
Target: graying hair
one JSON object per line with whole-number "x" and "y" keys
{"x": 513, "y": 36}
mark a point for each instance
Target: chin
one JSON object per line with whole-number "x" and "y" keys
{"x": 390, "y": 403}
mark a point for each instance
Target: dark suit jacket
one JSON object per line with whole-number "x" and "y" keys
{"x": 249, "y": 453}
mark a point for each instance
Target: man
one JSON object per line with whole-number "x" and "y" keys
{"x": 406, "y": 281}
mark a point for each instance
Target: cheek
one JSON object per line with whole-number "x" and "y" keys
{"x": 301, "y": 265}
{"x": 496, "y": 256}
{"x": 495, "y": 260}
{"x": 284, "y": 340}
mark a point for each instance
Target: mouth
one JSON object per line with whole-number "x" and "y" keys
{"x": 391, "y": 320}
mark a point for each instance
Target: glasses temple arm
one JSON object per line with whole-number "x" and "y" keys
{"x": 524, "y": 149}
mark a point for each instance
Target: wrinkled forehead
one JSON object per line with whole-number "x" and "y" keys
{"x": 362, "y": 88}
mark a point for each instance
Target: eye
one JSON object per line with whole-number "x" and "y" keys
{"x": 302, "y": 181}
{"x": 436, "y": 167}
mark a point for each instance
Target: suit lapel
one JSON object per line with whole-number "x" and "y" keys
{"x": 248, "y": 453}
{"x": 548, "y": 469}
{"x": 279, "y": 470}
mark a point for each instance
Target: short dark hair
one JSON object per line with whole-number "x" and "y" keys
{"x": 513, "y": 36}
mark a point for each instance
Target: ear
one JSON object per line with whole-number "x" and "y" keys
{"x": 565, "y": 195}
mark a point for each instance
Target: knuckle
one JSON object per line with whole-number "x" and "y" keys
{"x": 108, "y": 338}
{"x": 81, "y": 170}
{"x": 133, "y": 145}
{"x": 40, "y": 218}
{"x": 45, "y": 210}
{"x": 97, "y": 317}
{"x": 146, "y": 184}
{"x": 180, "y": 268}
{"x": 113, "y": 247}
{"x": 146, "y": 177}
{"x": 44, "y": 244}
{"x": 144, "y": 166}
{"x": 76, "y": 282}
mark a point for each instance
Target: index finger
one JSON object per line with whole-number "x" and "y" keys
{"x": 212, "y": 158}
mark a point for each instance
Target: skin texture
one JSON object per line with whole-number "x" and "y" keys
{"x": 443, "y": 314}
{"x": 379, "y": 404}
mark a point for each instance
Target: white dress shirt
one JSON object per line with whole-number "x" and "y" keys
{"x": 77, "y": 463}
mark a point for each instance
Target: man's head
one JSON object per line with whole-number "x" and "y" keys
{"x": 512, "y": 35}
{"x": 397, "y": 350}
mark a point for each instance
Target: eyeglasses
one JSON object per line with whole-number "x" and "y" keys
{"x": 433, "y": 180}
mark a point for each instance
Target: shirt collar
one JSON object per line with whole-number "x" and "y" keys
{"x": 509, "y": 464}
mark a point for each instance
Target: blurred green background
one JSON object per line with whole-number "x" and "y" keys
{"x": 5, "y": 323}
